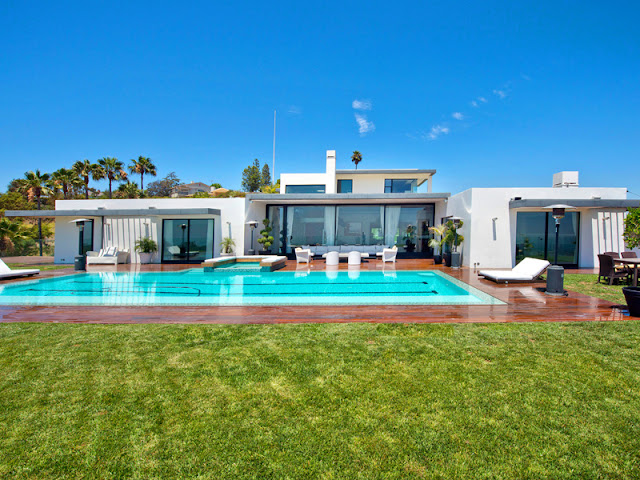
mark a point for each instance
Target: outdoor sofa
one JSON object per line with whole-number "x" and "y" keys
{"x": 108, "y": 256}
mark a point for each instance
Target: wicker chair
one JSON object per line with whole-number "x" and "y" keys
{"x": 608, "y": 269}
{"x": 629, "y": 255}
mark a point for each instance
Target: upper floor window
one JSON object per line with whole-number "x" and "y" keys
{"x": 305, "y": 189}
{"x": 396, "y": 185}
{"x": 345, "y": 186}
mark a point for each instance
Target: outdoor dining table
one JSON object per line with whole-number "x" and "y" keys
{"x": 634, "y": 262}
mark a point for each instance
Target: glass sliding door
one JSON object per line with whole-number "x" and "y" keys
{"x": 360, "y": 225}
{"x": 87, "y": 237}
{"x": 407, "y": 227}
{"x": 308, "y": 225}
{"x": 536, "y": 237}
{"x": 276, "y": 217}
{"x": 187, "y": 240}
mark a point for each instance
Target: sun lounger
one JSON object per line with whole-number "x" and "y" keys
{"x": 527, "y": 270}
{"x": 6, "y": 272}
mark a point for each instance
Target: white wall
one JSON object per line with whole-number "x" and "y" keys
{"x": 491, "y": 244}
{"x": 123, "y": 231}
{"x": 374, "y": 182}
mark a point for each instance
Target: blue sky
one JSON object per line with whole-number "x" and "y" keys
{"x": 487, "y": 93}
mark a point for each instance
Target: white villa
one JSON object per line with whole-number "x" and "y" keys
{"x": 357, "y": 208}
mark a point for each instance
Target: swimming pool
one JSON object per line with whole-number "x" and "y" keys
{"x": 231, "y": 288}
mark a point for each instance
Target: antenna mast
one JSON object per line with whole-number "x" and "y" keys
{"x": 273, "y": 165}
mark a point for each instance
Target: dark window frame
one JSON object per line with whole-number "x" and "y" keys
{"x": 319, "y": 187}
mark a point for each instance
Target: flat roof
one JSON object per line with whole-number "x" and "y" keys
{"x": 390, "y": 170}
{"x": 341, "y": 197}
{"x": 582, "y": 203}
{"x": 105, "y": 212}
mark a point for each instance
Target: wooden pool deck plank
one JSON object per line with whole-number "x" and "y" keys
{"x": 524, "y": 303}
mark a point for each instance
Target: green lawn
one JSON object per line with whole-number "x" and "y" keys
{"x": 39, "y": 267}
{"x": 588, "y": 284}
{"x": 517, "y": 401}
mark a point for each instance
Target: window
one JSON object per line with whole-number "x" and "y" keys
{"x": 392, "y": 185}
{"x": 309, "y": 225}
{"x": 536, "y": 237}
{"x": 360, "y": 225}
{"x": 408, "y": 228}
{"x": 305, "y": 189}
{"x": 187, "y": 241}
{"x": 345, "y": 186}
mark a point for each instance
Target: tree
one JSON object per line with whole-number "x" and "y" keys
{"x": 113, "y": 170}
{"x": 65, "y": 179}
{"x": 266, "y": 175}
{"x": 163, "y": 187}
{"x": 128, "y": 190}
{"x": 632, "y": 228}
{"x": 141, "y": 166}
{"x": 86, "y": 170}
{"x": 356, "y": 158}
{"x": 11, "y": 231}
{"x": 36, "y": 185}
{"x": 252, "y": 178}
{"x": 14, "y": 201}
{"x": 216, "y": 185}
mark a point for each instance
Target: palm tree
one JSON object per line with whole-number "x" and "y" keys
{"x": 65, "y": 179}
{"x": 142, "y": 165}
{"x": 36, "y": 185}
{"x": 128, "y": 190}
{"x": 356, "y": 158}
{"x": 113, "y": 170}
{"x": 10, "y": 231}
{"x": 86, "y": 169}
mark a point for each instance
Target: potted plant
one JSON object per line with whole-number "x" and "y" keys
{"x": 266, "y": 239}
{"x": 146, "y": 247}
{"x": 632, "y": 240}
{"x": 453, "y": 239}
{"x": 409, "y": 244}
{"x": 437, "y": 242}
{"x": 226, "y": 247}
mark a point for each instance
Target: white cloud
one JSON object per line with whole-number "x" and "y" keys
{"x": 483, "y": 100}
{"x": 365, "y": 126}
{"x": 457, "y": 115}
{"x": 294, "y": 110}
{"x": 436, "y": 131}
{"x": 361, "y": 104}
{"x": 500, "y": 93}
{"x": 474, "y": 103}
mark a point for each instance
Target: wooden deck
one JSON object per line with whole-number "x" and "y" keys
{"x": 524, "y": 303}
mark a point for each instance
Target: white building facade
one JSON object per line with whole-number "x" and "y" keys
{"x": 357, "y": 208}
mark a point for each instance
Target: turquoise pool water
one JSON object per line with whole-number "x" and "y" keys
{"x": 196, "y": 287}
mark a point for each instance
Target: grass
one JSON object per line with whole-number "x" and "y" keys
{"x": 521, "y": 401}
{"x": 44, "y": 267}
{"x": 588, "y": 285}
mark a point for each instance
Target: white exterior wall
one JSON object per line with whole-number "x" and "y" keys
{"x": 374, "y": 183}
{"x": 491, "y": 243}
{"x": 123, "y": 231}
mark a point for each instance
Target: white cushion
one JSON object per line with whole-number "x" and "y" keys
{"x": 321, "y": 249}
{"x": 333, "y": 248}
{"x": 3, "y": 267}
{"x": 370, "y": 249}
{"x": 110, "y": 252}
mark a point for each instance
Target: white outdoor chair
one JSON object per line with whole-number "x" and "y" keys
{"x": 389, "y": 254}
{"x": 355, "y": 258}
{"x": 303, "y": 255}
{"x": 108, "y": 256}
{"x": 6, "y": 272}
{"x": 526, "y": 271}
{"x": 333, "y": 258}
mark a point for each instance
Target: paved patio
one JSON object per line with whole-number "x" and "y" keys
{"x": 524, "y": 303}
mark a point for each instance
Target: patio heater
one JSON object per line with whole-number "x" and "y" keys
{"x": 80, "y": 260}
{"x": 555, "y": 273}
{"x": 253, "y": 225}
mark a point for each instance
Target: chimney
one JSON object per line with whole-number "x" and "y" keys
{"x": 565, "y": 179}
{"x": 331, "y": 162}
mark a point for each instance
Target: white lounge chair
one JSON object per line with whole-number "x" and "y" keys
{"x": 6, "y": 272}
{"x": 108, "y": 256}
{"x": 390, "y": 254}
{"x": 527, "y": 270}
{"x": 303, "y": 255}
